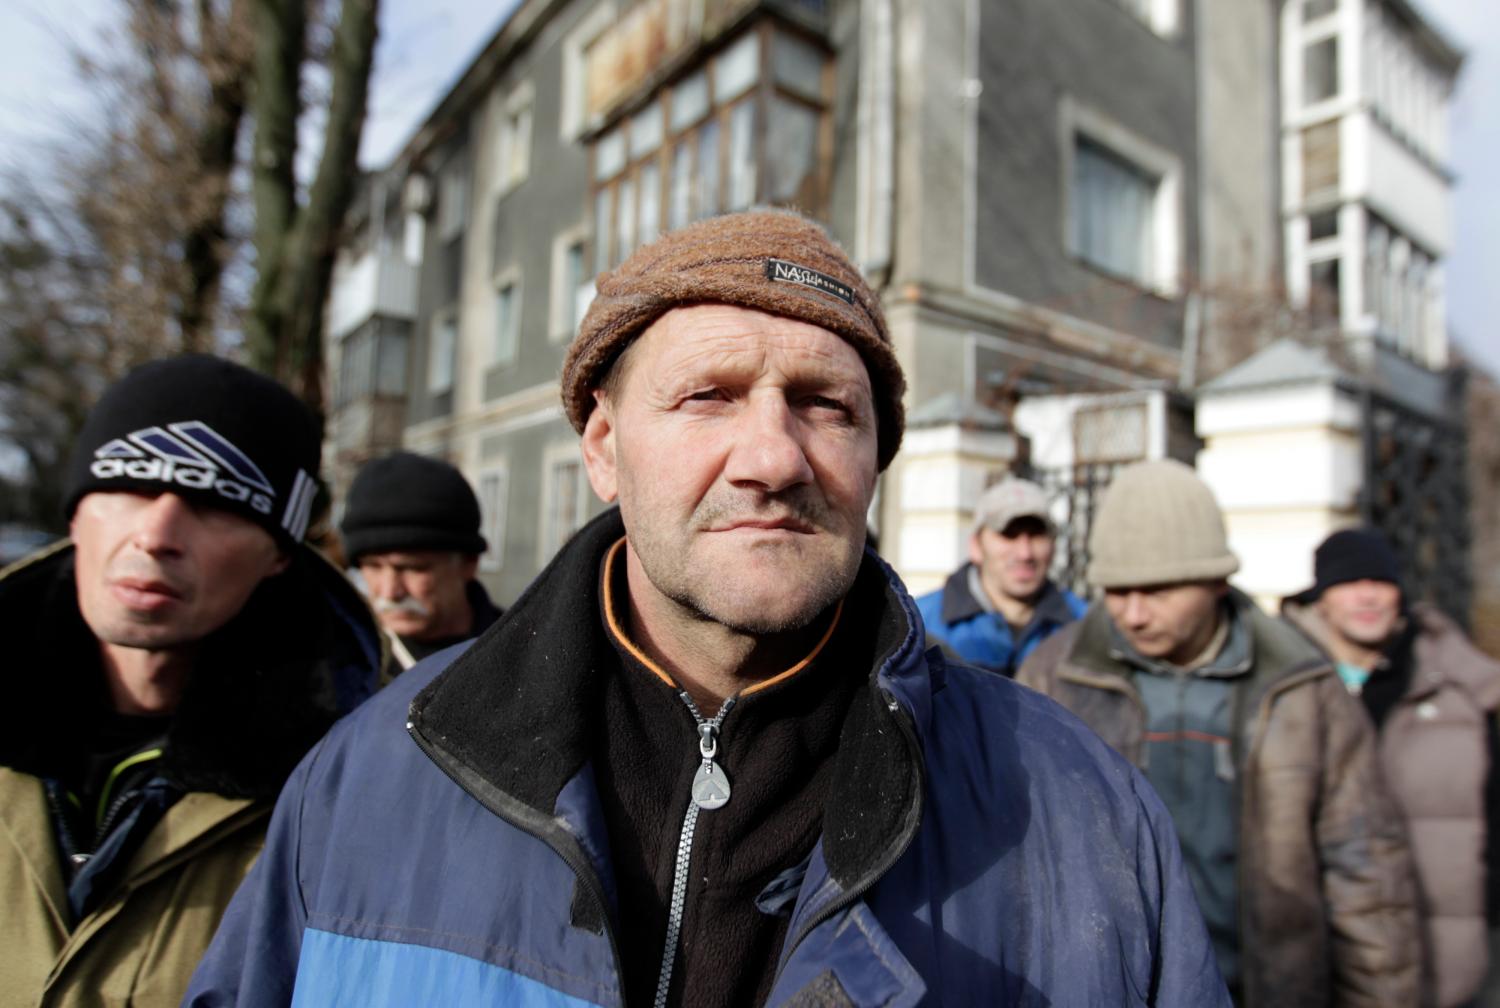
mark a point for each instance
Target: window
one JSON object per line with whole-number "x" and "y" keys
{"x": 1324, "y": 224}
{"x": 493, "y": 485}
{"x": 453, "y": 202}
{"x": 1323, "y": 288}
{"x": 697, "y": 147}
{"x": 564, "y": 498}
{"x": 440, "y": 353}
{"x": 372, "y": 362}
{"x": 513, "y": 139}
{"x": 413, "y": 234}
{"x": 572, "y": 284}
{"x": 1112, "y": 219}
{"x": 575, "y": 46}
{"x": 1314, "y": 9}
{"x": 507, "y": 318}
{"x": 1320, "y": 71}
{"x": 1320, "y": 159}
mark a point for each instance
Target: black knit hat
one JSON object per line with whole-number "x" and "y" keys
{"x": 408, "y": 502}
{"x": 1361, "y": 554}
{"x": 207, "y": 429}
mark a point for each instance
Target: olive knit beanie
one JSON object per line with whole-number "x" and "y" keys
{"x": 1158, "y": 524}
{"x": 771, "y": 260}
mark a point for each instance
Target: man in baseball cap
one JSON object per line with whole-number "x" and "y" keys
{"x": 167, "y": 667}
{"x": 994, "y": 610}
{"x": 411, "y": 527}
{"x": 708, "y": 758}
{"x": 1296, "y": 853}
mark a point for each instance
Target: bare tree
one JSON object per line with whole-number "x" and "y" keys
{"x": 296, "y": 239}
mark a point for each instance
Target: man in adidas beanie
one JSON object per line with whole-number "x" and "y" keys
{"x": 707, "y": 758}
{"x": 167, "y": 667}
{"x": 1265, "y": 762}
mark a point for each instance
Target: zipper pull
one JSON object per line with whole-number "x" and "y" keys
{"x": 710, "y": 786}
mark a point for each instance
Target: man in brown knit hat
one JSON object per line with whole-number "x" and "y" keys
{"x": 1268, "y": 768}
{"x": 708, "y": 758}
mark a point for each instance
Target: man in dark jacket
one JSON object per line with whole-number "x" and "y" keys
{"x": 167, "y": 668}
{"x": 1268, "y": 768}
{"x": 411, "y": 527}
{"x": 707, "y": 757}
{"x": 1432, "y": 697}
{"x": 994, "y": 610}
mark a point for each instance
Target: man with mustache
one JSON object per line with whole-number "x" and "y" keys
{"x": 166, "y": 668}
{"x": 1432, "y": 698}
{"x": 1269, "y": 769}
{"x": 995, "y": 609}
{"x": 708, "y": 758}
{"x": 411, "y": 527}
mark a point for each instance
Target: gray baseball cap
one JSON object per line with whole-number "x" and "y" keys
{"x": 1008, "y": 500}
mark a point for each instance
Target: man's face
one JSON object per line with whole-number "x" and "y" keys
{"x": 159, "y": 572}
{"x": 420, "y": 594}
{"x": 1171, "y": 622}
{"x": 1013, "y": 562}
{"x": 742, "y": 449}
{"x": 1364, "y": 613}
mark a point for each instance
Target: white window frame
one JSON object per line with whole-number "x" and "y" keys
{"x": 514, "y": 122}
{"x": 574, "y": 118}
{"x": 492, "y": 514}
{"x": 1164, "y": 272}
{"x": 564, "y": 311}
{"x": 499, "y": 355}
{"x": 446, "y": 317}
{"x": 549, "y": 540}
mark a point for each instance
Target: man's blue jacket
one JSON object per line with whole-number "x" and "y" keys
{"x": 444, "y": 845}
{"x": 958, "y": 621}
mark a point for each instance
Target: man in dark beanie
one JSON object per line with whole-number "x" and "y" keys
{"x": 411, "y": 527}
{"x": 708, "y": 758}
{"x": 166, "y": 669}
{"x": 1432, "y": 697}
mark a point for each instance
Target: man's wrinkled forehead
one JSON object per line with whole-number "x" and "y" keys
{"x": 729, "y": 341}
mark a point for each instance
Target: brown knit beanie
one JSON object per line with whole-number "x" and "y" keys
{"x": 1158, "y": 524}
{"x": 772, "y": 260}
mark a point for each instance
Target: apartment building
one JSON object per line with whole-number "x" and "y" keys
{"x": 1059, "y": 201}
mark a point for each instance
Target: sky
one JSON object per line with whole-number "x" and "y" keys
{"x": 425, "y": 44}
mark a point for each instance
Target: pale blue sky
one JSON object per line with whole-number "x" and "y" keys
{"x": 423, "y": 46}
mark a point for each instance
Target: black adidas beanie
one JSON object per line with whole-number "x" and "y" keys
{"x": 405, "y": 501}
{"x": 208, "y": 429}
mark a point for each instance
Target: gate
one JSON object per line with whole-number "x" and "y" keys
{"x": 1415, "y": 490}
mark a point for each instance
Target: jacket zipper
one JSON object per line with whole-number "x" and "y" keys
{"x": 893, "y": 852}
{"x": 710, "y": 791}
{"x": 544, "y": 828}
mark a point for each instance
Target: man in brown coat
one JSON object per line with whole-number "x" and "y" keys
{"x": 1296, "y": 854}
{"x": 1432, "y": 698}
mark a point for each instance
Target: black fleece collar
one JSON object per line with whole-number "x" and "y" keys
{"x": 519, "y": 709}
{"x": 303, "y": 652}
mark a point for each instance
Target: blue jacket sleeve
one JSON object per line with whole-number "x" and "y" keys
{"x": 1187, "y": 970}
{"x": 252, "y": 961}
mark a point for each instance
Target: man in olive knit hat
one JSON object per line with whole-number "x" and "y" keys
{"x": 708, "y": 757}
{"x": 1295, "y": 851}
{"x": 411, "y": 527}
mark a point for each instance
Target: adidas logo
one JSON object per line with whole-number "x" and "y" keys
{"x": 192, "y": 454}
